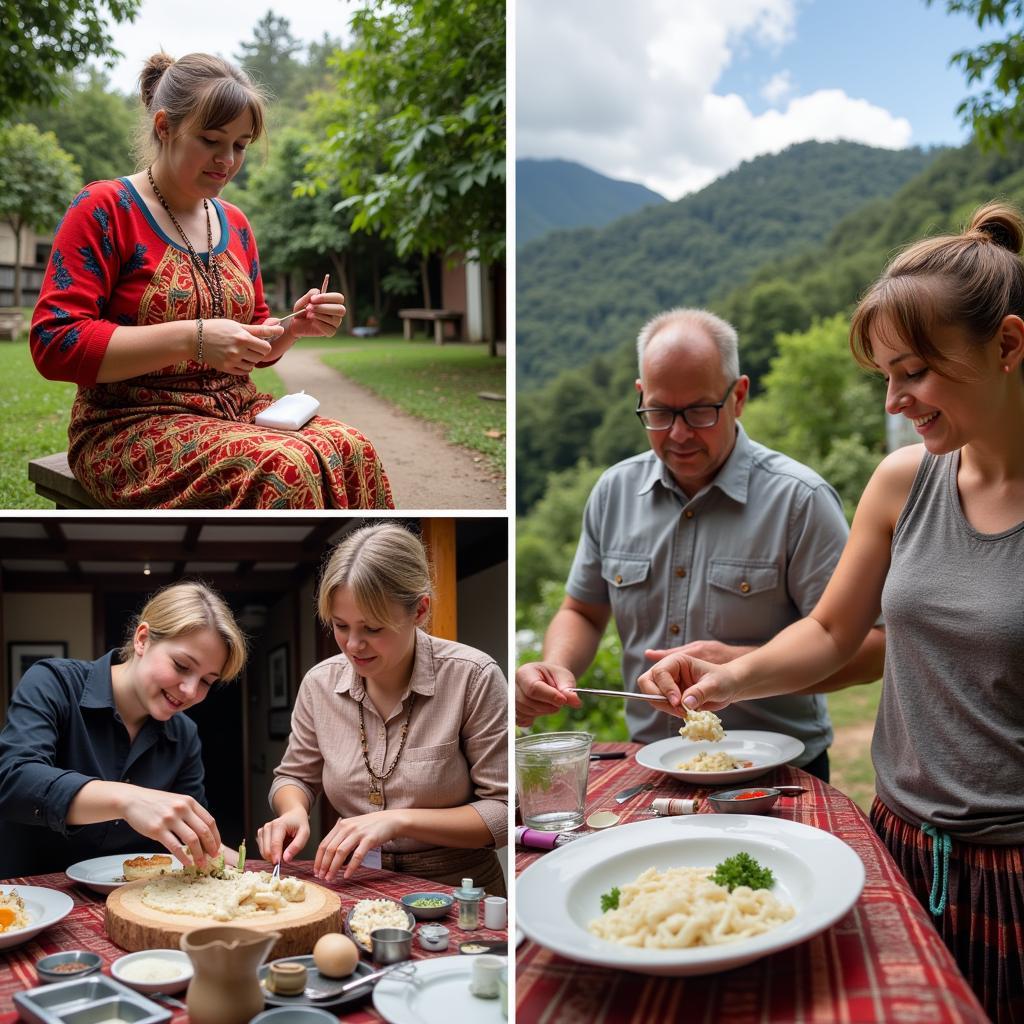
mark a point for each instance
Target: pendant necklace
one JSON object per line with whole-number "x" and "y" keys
{"x": 376, "y": 793}
{"x": 211, "y": 277}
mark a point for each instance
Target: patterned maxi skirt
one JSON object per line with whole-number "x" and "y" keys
{"x": 185, "y": 438}
{"x": 982, "y": 921}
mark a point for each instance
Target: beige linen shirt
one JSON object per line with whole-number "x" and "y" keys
{"x": 455, "y": 754}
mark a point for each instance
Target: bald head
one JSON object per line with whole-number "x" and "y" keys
{"x": 680, "y": 329}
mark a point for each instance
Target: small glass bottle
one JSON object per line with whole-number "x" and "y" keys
{"x": 469, "y": 904}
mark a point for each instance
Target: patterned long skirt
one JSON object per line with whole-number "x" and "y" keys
{"x": 187, "y": 439}
{"x": 982, "y": 921}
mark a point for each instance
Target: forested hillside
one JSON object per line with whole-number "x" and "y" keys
{"x": 586, "y": 413}
{"x": 553, "y": 194}
{"x": 579, "y": 293}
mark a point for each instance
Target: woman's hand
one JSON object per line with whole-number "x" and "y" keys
{"x": 356, "y": 837}
{"x": 321, "y": 315}
{"x": 687, "y": 683}
{"x": 236, "y": 348}
{"x": 293, "y": 825}
{"x": 175, "y": 821}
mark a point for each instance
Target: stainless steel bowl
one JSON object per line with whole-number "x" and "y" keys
{"x": 54, "y": 967}
{"x": 727, "y": 802}
{"x": 391, "y": 945}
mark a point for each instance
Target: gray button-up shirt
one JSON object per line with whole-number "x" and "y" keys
{"x": 739, "y": 561}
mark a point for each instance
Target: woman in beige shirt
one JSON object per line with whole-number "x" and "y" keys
{"x": 403, "y": 732}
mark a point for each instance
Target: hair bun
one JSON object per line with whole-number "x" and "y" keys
{"x": 151, "y": 74}
{"x": 1002, "y": 224}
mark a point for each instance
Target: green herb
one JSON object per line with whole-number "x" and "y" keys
{"x": 535, "y": 776}
{"x": 742, "y": 869}
{"x": 428, "y": 901}
{"x": 241, "y": 856}
{"x": 610, "y": 900}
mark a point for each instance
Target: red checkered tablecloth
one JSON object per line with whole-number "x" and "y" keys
{"x": 883, "y": 962}
{"x": 83, "y": 929}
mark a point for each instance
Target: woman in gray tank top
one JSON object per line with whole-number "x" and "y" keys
{"x": 937, "y": 545}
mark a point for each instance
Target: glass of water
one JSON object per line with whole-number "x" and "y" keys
{"x": 551, "y": 779}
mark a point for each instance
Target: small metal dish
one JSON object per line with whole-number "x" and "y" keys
{"x": 55, "y": 967}
{"x": 428, "y": 913}
{"x": 294, "y": 1015}
{"x": 391, "y": 945}
{"x": 729, "y": 802}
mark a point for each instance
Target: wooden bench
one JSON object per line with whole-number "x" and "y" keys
{"x": 55, "y": 482}
{"x": 12, "y": 323}
{"x": 439, "y": 317}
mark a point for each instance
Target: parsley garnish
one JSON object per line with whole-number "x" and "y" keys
{"x": 610, "y": 900}
{"x": 742, "y": 869}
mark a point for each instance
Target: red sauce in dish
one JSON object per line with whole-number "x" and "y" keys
{"x": 751, "y": 794}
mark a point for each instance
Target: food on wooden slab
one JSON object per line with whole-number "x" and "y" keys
{"x": 702, "y": 725}
{"x": 370, "y": 914}
{"x": 146, "y": 867}
{"x": 335, "y": 955}
{"x": 222, "y": 893}
{"x": 13, "y": 914}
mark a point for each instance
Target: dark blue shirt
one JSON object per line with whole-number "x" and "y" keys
{"x": 63, "y": 730}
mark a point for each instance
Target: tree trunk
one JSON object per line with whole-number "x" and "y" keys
{"x": 378, "y": 310}
{"x": 492, "y": 272}
{"x": 348, "y": 289}
{"x": 16, "y": 226}
{"x": 425, "y": 281}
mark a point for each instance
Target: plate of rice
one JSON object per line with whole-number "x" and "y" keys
{"x": 742, "y": 754}
{"x": 367, "y": 915}
{"x": 25, "y": 910}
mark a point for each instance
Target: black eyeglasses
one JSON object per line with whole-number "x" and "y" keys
{"x": 697, "y": 417}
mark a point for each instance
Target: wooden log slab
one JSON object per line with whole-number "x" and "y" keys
{"x": 133, "y": 926}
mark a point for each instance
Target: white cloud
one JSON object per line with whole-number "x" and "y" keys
{"x": 778, "y": 87}
{"x": 631, "y": 91}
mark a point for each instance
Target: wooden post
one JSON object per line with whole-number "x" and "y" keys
{"x": 439, "y": 540}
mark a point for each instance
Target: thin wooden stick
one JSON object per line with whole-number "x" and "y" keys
{"x": 323, "y": 288}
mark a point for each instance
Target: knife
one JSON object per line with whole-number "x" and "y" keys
{"x": 617, "y": 693}
{"x": 621, "y": 798}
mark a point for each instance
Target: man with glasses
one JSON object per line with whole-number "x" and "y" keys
{"x": 709, "y": 542}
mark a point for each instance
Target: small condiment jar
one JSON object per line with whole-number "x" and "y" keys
{"x": 486, "y": 983}
{"x": 469, "y": 904}
{"x": 433, "y": 937}
{"x": 287, "y": 979}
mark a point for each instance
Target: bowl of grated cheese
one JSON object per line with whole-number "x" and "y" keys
{"x": 154, "y": 970}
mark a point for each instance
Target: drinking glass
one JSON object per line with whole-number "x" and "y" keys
{"x": 551, "y": 779}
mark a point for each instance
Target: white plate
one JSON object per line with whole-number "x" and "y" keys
{"x": 765, "y": 749}
{"x": 440, "y": 996}
{"x": 558, "y": 895}
{"x": 175, "y": 957}
{"x": 43, "y": 906}
{"x": 105, "y": 874}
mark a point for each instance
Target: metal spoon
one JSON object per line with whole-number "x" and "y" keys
{"x": 407, "y": 968}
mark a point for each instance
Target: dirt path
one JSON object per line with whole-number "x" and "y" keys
{"x": 425, "y": 470}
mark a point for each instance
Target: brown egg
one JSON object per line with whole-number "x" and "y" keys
{"x": 335, "y": 955}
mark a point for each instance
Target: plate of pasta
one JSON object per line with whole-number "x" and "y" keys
{"x": 668, "y": 916}
{"x": 742, "y": 754}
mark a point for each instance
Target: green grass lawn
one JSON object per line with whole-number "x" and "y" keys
{"x": 438, "y": 383}
{"x": 853, "y": 717}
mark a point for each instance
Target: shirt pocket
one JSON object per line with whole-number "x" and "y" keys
{"x": 629, "y": 586}
{"x": 442, "y": 752}
{"x": 743, "y": 601}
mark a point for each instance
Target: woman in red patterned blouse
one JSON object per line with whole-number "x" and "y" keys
{"x": 153, "y": 305}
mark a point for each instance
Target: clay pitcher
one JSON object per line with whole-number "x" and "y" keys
{"x": 225, "y": 988}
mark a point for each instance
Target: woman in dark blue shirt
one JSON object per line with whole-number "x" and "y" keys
{"x": 95, "y": 757}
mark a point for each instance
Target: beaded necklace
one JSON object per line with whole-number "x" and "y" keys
{"x": 376, "y": 794}
{"x": 211, "y": 277}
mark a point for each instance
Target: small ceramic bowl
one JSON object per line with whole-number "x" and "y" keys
{"x": 391, "y": 945}
{"x": 154, "y": 970}
{"x": 428, "y": 913}
{"x": 294, "y": 1015}
{"x": 74, "y": 963}
{"x": 728, "y": 801}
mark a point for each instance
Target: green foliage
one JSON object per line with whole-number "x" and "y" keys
{"x": 996, "y": 113}
{"x": 92, "y": 123}
{"x": 418, "y": 140}
{"x": 742, "y": 869}
{"x": 271, "y": 55}
{"x": 41, "y": 40}
{"x": 37, "y": 181}
{"x": 610, "y": 899}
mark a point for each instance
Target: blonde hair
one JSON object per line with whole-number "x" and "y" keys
{"x": 183, "y": 608}
{"x": 972, "y": 280}
{"x": 195, "y": 90}
{"x": 384, "y": 564}
{"x": 722, "y": 333}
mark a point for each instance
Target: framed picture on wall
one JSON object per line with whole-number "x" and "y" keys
{"x": 22, "y": 654}
{"x": 277, "y": 676}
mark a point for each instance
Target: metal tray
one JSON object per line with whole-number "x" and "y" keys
{"x": 88, "y": 1001}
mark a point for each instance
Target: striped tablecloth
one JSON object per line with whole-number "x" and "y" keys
{"x": 882, "y": 962}
{"x": 83, "y": 929}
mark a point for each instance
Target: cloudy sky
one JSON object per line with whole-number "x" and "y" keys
{"x": 674, "y": 93}
{"x": 214, "y": 26}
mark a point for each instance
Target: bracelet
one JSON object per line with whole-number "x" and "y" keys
{"x": 199, "y": 339}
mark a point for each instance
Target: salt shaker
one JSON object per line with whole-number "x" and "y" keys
{"x": 469, "y": 904}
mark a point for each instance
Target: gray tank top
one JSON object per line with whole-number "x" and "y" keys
{"x": 948, "y": 747}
